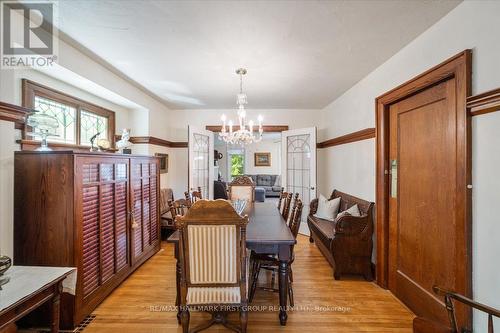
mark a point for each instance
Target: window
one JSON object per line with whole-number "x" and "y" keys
{"x": 236, "y": 162}
{"x": 78, "y": 120}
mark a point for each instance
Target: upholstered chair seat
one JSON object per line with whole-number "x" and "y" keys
{"x": 218, "y": 295}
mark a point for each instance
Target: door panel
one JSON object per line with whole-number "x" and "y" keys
{"x": 201, "y": 161}
{"x": 145, "y": 192}
{"x": 422, "y": 228}
{"x": 104, "y": 201}
{"x": 298, "y": 149}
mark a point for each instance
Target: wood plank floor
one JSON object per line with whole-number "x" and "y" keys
{"x": 141, "y": 303}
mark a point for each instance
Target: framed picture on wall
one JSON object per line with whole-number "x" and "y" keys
{"x": 163, "y": 162}
{"x": 262, "y": 159}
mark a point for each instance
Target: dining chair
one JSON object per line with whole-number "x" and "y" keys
{"x": 269, "y": 262}
{"x": 193, "y": 196}
{"x": 294, "y": 199}
{"x": 280, "y": 198}
{"x": 284, "y": 204}
{"x": 167, "y": 221}
{"x": 179, "y": 207}
{"x": 242, "y": 188}
{"x": 214, "y": 264}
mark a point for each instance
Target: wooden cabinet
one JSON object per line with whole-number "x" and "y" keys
{"x": 97, "y": 212}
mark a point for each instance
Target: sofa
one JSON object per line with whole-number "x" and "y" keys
{"x": 270, "y": 183}
{"x": 346, "y": 242}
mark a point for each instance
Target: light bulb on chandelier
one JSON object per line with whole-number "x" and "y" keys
{"x": 244, "y": 134}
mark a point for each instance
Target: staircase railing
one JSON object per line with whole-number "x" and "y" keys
{"x": 449, "y": 296}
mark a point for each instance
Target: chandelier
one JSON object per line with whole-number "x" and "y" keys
{"x": 244, "y": 134}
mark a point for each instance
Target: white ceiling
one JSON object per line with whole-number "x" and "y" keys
{"x": 299, "y": 54}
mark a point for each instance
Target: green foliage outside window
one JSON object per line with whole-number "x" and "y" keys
{"x": 237, "y": 165}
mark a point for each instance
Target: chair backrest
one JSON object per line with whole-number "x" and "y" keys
{"x": 242, "y": 188}
{"x": 166, "y": 194}
{"x": 281, "y": 198}
{"x": 193, "y": 196}
{"x": 296, "y": 217}
{"x": 285, "y": 207}
{"x": 196, "y": 195}
{"x": 220, "y": 191}
{"x": 179, "y": 207}
{"x": 212, "y": 246}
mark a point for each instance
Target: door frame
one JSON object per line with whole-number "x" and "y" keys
{"x": 460, "y": 68}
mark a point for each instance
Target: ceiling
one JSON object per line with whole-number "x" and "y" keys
{"x": 299, "y": 54}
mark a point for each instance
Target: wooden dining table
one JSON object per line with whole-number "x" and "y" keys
{"x": 267, "y": 233}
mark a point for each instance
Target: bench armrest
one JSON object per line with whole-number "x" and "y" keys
{"x": 313, "y": 207}
{"x": 349, "y": 225}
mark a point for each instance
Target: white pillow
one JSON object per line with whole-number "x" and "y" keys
{"x": 327, "y": 209}
{"x": 353, "y": 211}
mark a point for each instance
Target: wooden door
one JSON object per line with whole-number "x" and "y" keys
{"x": 428, "y": 237}
{"x": 145, "y": 223}
{"x": 102, "y": 203}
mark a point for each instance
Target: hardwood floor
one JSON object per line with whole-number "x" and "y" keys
{"x": 141, "y": 303}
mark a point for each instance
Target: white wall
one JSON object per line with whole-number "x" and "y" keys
{"x": 270, "y": 146}
{"x": 294, "y": 118}
{"x": 141, "y": 119}
{"x": 473, "y": 24}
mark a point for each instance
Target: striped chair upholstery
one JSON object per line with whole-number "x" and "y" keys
{"x": 213, "y": 258}
{"x": 212, "y": 253}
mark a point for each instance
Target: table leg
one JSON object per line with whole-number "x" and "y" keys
{"x": 283, "y": 290}
{"x": 178, "y": 284}
{"x": 55, "y": 309}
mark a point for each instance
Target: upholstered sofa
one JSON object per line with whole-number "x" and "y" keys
{"x": 346, "y": 242}
{"x": 270, "y": 183}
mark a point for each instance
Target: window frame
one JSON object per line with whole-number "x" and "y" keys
{"x": 31, "y": 89}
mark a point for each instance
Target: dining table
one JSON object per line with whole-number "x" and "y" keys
{"x": 266, "y": 233}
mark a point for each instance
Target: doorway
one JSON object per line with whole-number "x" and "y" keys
{"x": 423, "y": 197}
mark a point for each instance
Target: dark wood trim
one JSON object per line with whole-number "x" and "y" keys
{"x": 151, "y": 140}
{"x": 266, "y": 128}
{"x": 367, "y": 133}
{"x": 31, "y": 89}
{"x": 16, "y": 114}
{"x": 34, "y": 144}
{"x": 483, "y": 103}
{"x": 459, "y": 67}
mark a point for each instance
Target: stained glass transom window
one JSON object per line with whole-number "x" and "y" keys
{"x": 91, "y": 124}
{"x": 65, "y": 115}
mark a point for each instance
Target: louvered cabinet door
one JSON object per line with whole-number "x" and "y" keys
{"x": 137, "y": 214}
{"x": 90, "y": 233}
{"x": 154, "y": 203}
{"x": 121, "y": 215}
{"x": 104, "y": 197}
{"x": 145, "y": 226}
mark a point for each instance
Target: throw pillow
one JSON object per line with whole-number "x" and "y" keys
{"x": 277, "y": 182}
{"x": 327, "y": 209}
{"x": 353, "y": 211}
